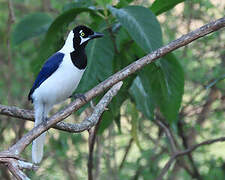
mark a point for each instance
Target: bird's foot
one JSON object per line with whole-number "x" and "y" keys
{"x": 45, "y": 121}
{"x": 80, "y": 96}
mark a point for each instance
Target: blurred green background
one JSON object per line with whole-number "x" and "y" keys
{"x": 184, "y": 90}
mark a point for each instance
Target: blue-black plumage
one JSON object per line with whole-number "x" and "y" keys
{"x": 47, "y": 70}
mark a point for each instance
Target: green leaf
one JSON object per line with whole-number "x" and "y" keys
{"x": 128, "y": 52}
{"x": 31, "y": 26}
{"x": 161, "y": 6}
{"x": 142, "y": 99}
{"x": 132, "y": 111}
{"x": 114, "y": 106}
{"x": 123, "y": 3}
{"x": 78, "y": 4}
{"x": 103, "y": 3}
{"x": 145, "y": 30}
{"x": 54, "y": 39}
{"x": 100, "y": 55}
{"x": 107, "y": 120}
{"x": 141, "y": 24}
{"x": 174, "y": 81}
{"x": 164, "y": 80}
{"x": 166, "y": 85}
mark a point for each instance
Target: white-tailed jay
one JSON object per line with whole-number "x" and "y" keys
{"x": 58, "y": 79}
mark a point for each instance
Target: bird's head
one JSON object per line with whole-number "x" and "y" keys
{"x": 79, "y": 37}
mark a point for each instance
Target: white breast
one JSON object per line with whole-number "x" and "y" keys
{"x": 60, "y": 85}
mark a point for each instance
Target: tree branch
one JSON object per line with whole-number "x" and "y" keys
{"x": 17, "y": 148}
{"x": 15, "y": 164}
{"x": 24, "y": 114}
{"x": 126, "y": 153}
{"x": 92, "y": 133}
{"x": 92, "y": 138}
{"x": 84, "y": 125}
{"x": 124, "y": 73}
{"x": 15, "y": 167}
{"x": 168, "y": 134}
{"x": 174, "y": 146}
{"x": 185, "y": 152}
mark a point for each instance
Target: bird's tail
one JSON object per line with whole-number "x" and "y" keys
{"x": 41, "y": 113}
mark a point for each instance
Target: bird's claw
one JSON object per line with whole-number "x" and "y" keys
{"x": 80, "y": 96}
{"x": 45, "y": 121}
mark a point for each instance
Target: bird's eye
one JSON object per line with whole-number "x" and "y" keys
{"x": 82, "y": 34}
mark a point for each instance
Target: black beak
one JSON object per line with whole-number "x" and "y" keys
{"x": 96, "y": 35}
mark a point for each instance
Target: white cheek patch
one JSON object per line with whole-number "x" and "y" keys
{"x": 83, "y": 40}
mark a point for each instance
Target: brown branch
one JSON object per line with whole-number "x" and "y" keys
{"x": 92, "y": 138}
{"x": 15, "y": 167}
{"x": 168, "y": 134}
{"x": 24, "y": 114}
{"x": 212, "y": 97}
{"x": 126, "y": 153}
{"x": 124, "y": 73}
{"x": 98, "y": 157}
{"x": 16, "y": 112}
{"x": 17, "y": 148}
{"x": 186, "y": 140}
{"x": 84, "y": 125}
{"x": 93, "y": 133}
{"x": 185, "y": 152}
{"x": 174, "y": 146}
{"x": 15, "y": 164}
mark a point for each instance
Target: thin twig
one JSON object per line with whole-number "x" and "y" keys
{"x": 13, "y": 162}
{"x": 84, "y": 125}
{"x": 181, "y": 133}
{"x": 16, "y": 166}
{"x": 24, "y": 114}
{"x": 174, "y": 145}
{"x": 185, "y": 152}
{"x": 124, "y": 73}
{"x": 126, "y": 153}
{"x": 98, "y": 157}
{"x": 92, "y": 138}
{"x": 93, "y": 133}
{"x": 168, "y": 134}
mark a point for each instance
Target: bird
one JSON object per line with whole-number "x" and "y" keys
{"x": 58, "y": 79}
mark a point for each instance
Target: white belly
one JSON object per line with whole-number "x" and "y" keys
{"x": 60, "y": 85}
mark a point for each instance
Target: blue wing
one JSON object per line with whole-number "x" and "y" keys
{"x": 47, "y": 70}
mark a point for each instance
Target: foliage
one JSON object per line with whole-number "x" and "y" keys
{"x": 31, "y": 26}
{"x": 131, "y": 30}
{"x": 160, "y": 6}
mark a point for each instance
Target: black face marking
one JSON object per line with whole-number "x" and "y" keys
{"x": 79, "y": 59}
{"x": 78, "y": 56}
{"x": 76, "y": 42}
{"x": 80, "y": 31}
